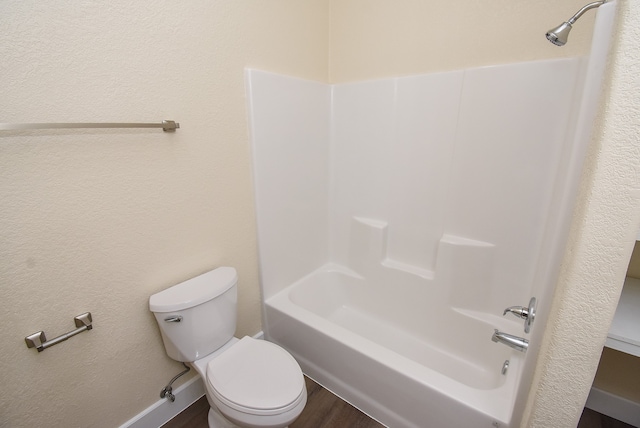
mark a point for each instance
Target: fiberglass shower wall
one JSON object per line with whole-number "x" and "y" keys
{"x": 455, "y": 170}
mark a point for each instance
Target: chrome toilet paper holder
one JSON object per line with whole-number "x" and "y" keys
{"x": 39, "y": 341}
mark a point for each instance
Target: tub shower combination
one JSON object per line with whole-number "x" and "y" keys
{"x": 403, "y": 223}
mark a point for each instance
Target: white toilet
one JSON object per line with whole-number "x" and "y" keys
{"x": 253, "y": 383}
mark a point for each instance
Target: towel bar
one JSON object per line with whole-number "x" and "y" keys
{"x": 166, "y": 125}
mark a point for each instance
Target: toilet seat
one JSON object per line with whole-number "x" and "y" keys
{"x": 256, "y": 377}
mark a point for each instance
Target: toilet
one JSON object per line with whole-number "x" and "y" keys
{"x": 249, "y": 382}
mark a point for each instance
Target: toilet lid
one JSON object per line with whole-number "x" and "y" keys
{"x": 256, "y": 375}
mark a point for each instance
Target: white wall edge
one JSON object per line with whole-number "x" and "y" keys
{"x": 614, "y": 406}
{"x": 162, "y": 411}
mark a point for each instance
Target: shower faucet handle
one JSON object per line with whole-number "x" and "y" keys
{"x": 528, "y": 314}
{"x": 519, "y": 311}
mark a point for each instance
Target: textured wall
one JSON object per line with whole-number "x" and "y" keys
{"x": 602, "y": 238}
{"x": 383, "y": 38}
{"x": 99, "y": 220}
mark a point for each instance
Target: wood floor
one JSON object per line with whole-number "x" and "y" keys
{"x": 325, "y": 410}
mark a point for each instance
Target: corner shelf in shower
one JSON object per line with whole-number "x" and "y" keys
{"x": 624, "y": 334}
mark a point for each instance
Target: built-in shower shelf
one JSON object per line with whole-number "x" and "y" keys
{"x": 624, "y": 334}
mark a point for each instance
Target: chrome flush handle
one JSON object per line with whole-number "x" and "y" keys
{"x": 174, "y": 318}
{"x": 528, "y": 314}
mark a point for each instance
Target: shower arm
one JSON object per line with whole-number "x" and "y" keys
{"x": 581, "y": 12}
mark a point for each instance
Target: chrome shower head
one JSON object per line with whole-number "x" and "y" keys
{"x": 559, "y": 35}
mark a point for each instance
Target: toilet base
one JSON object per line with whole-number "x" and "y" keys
{"x": 217, "y": 420}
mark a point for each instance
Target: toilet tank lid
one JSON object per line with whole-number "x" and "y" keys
{"x": 194, "y": 291}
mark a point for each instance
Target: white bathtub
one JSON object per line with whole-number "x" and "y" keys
{"x": 392, "y": 356}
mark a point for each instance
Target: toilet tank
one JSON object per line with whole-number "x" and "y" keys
{"x": 197, "y": 316}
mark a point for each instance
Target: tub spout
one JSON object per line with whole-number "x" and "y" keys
{"x": 515, "y": 342}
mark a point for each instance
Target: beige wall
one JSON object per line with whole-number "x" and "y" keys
{"x": 381, "y": 38}
{"x": 619, "y": 374}
{"x": 633, "y": 269}
{"x": 99, "y": 220}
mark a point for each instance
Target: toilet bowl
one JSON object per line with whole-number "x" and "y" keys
{"x": 249, "y": 382}
{"x": 253, "y": 383}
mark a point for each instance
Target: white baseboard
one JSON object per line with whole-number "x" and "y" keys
{"x": 162, "y": 411}
{"x": 614, "y": 406}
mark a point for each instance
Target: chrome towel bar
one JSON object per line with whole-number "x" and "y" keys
{"x": 39, "y": 341}
{"x": 166, "y": 125}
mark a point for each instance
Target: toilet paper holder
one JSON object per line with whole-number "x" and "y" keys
{"x": 39, "y": 341}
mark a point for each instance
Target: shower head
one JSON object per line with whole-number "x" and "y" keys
{"x": 559, "y": 35}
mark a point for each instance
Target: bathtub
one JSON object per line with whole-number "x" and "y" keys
{"x": 394, "y": 357}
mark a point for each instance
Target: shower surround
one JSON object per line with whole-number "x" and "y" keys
{"x": 398, "y": 218}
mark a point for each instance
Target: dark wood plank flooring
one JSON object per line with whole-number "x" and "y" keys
{"x": 325, "y": 410}
{"x": 194, "y": 416}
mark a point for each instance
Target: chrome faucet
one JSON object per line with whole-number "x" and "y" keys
{"x": 528, "y": 314}
{"x": 519, "y": 311}
{"x": 515, "y": 342}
